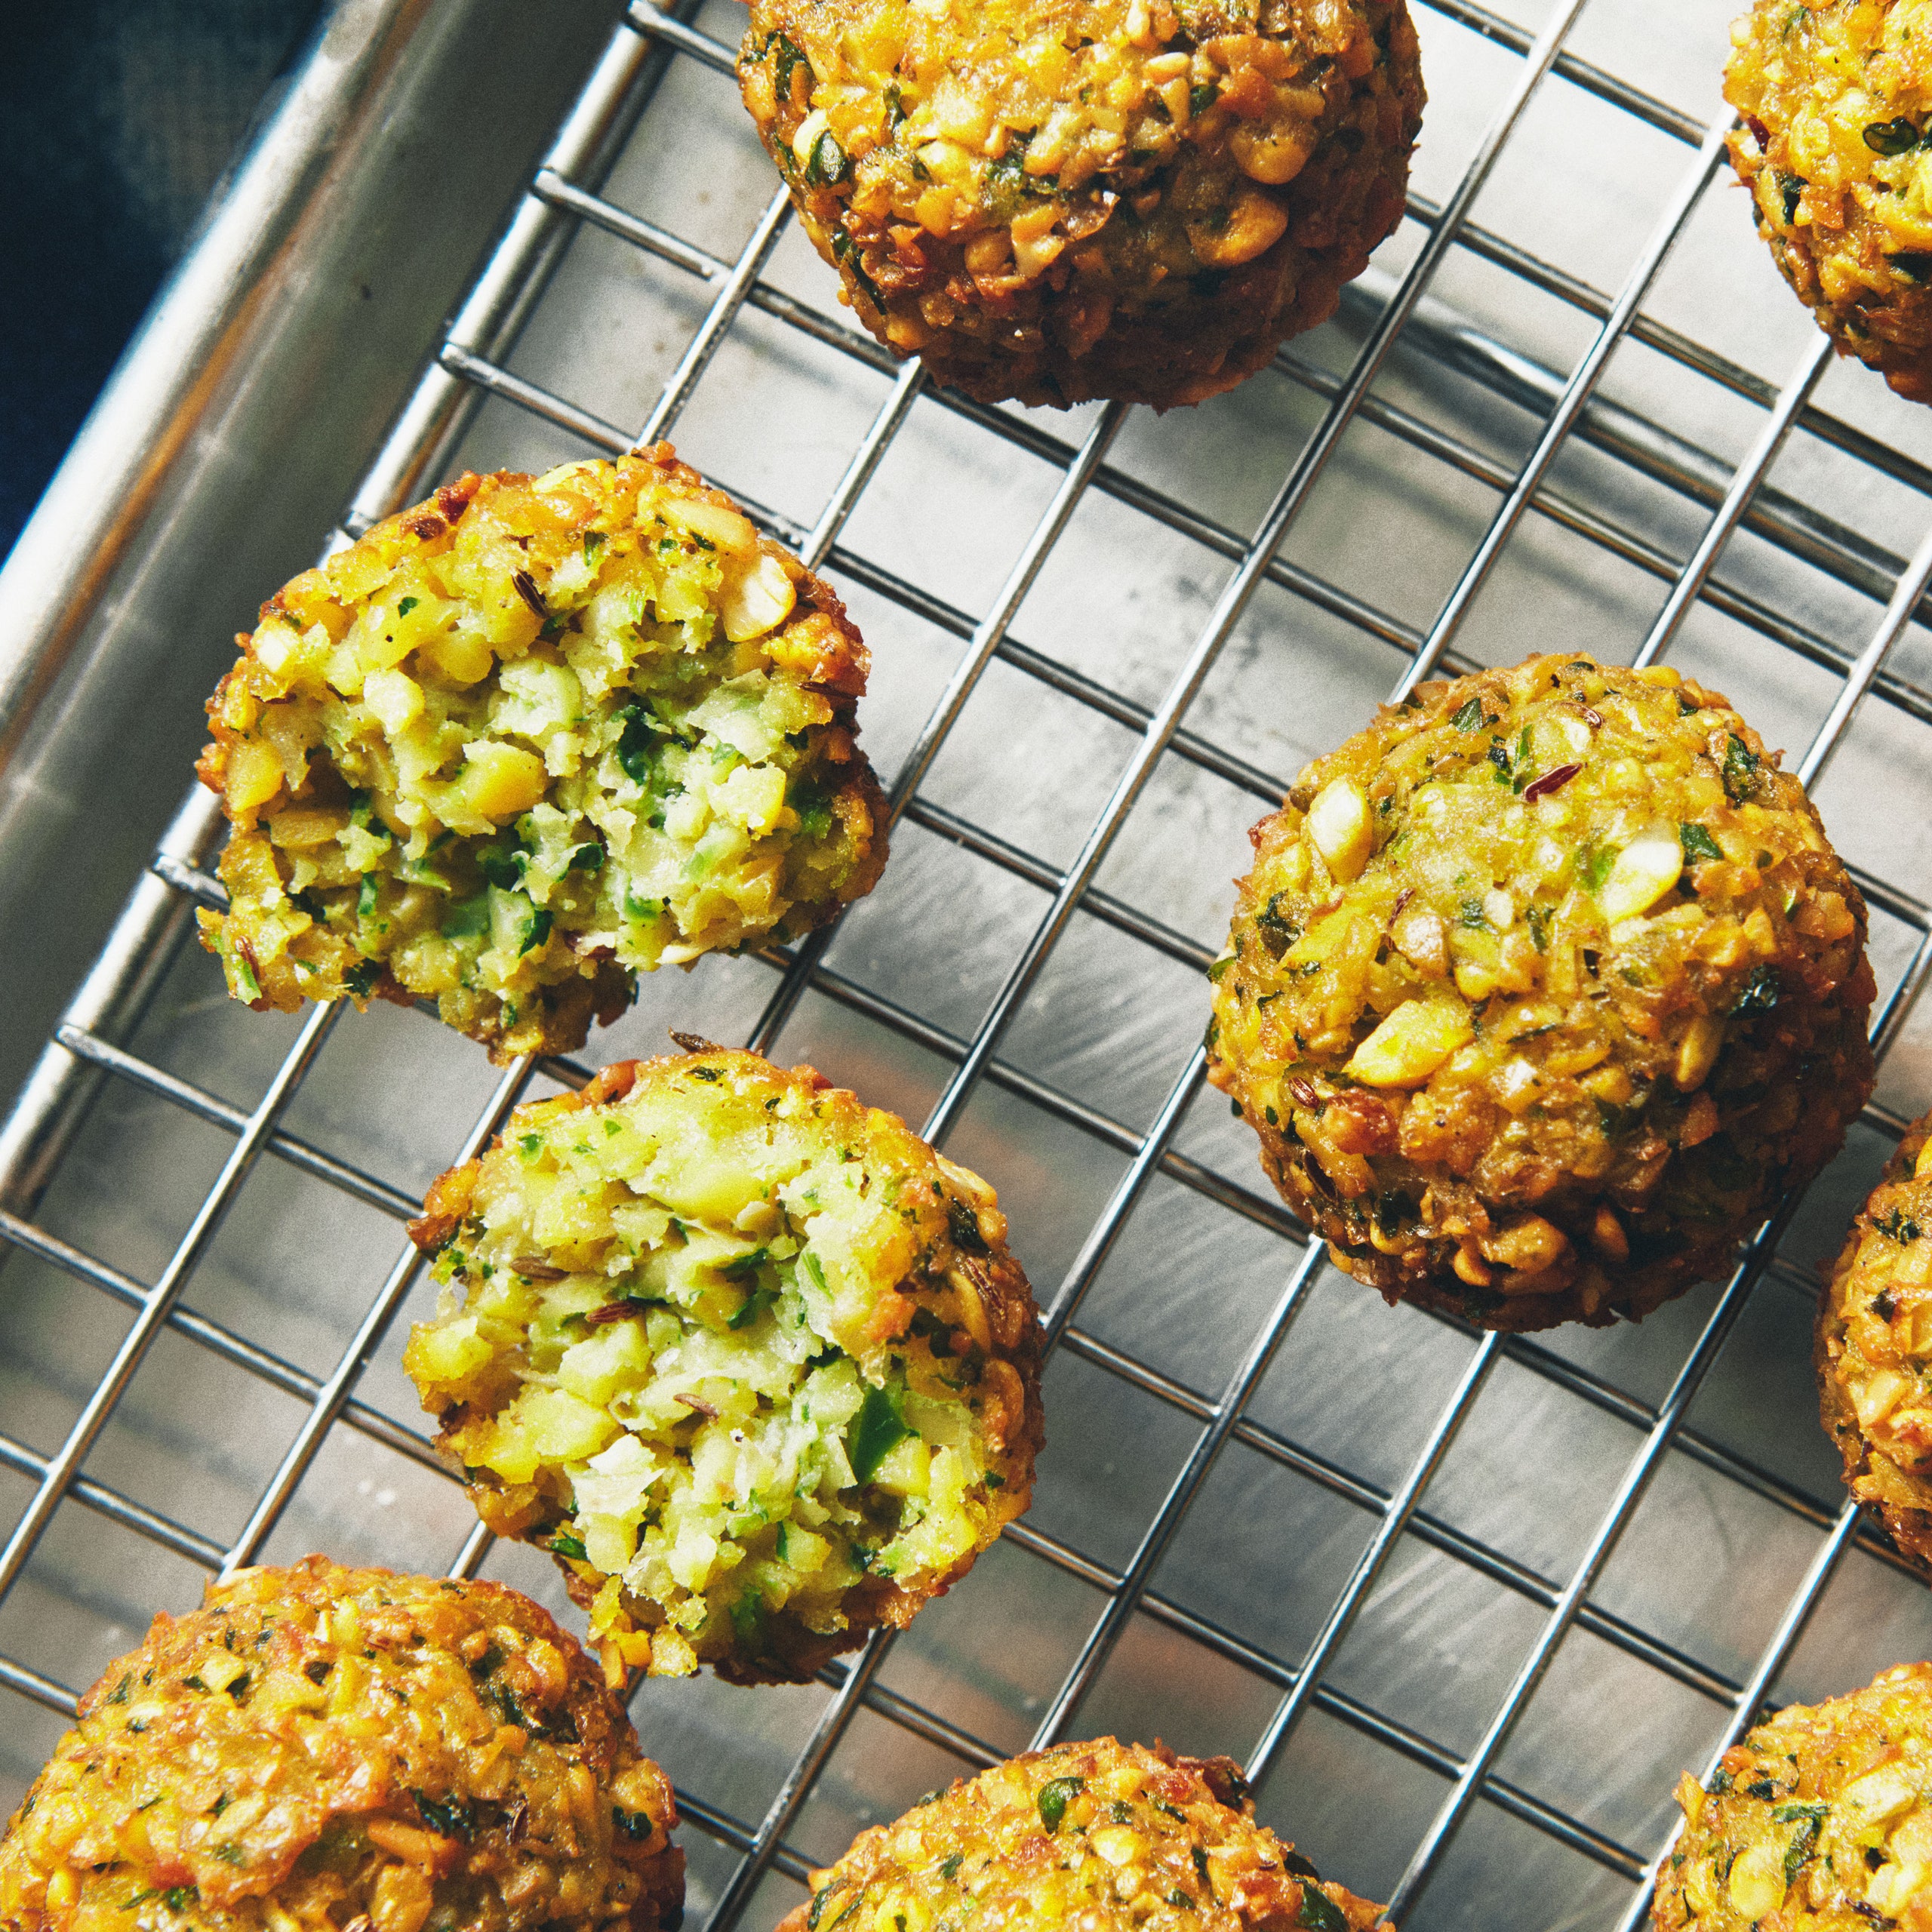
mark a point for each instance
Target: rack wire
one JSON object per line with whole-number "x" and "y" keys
{"x": 1459, "y": 1821}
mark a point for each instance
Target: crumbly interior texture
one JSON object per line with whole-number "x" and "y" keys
{"x": 530, "y": 738}
{"x": 1836, "y": 150}
{"x": 323, "y": 1748}
{"x": 1055, "y": 200}
{"x": 1875, "y": 1349}
{"x": 1820, "y": 1818}
{"x": 747, "y": 1356}
{"x": 1102, "y": 1837}
{"x": 1542, "y": 990}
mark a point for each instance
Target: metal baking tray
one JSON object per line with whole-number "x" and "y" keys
{"x": 1466, "y": 1606}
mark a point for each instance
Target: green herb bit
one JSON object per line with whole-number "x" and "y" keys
{"x": 449, "y": 1817}
{"x": 813, "y": 807}
{"x": 1698, "y": 844}
{"x": 1319, "y": 1913}
{"x": 1897, "y": 1226}
{"x": 1740, "y": 769}
{"x": 1809, "y": 1819}
{"x": 503, "y": 866}
{"x": 877, "y": 1429}
{"x": 407, "y": 604}
{"x": 962, "y": 1223}
{"x": 1470, "y": 717}
{"x": 829, "y": 163}
{"x": 787, "y": 57}
{"x": 1279, "y": 929}
{"x": 1055, "y": 1795}
{"x": 1891, "y": 137}
{"x": 564, "y": 1544}
{"x": 1760, "y": 994}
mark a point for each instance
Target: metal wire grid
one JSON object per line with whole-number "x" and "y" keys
{"x": 564, "y": 194}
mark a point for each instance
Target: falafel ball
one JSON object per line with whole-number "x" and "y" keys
{"x": 319, "y": 1747}
{"x": 1543, "y": 992}
{"x": 1055, "y": 201}
{"x": 1105, "y": 1836}
{"x": 748, "y": 1357}
{"x": 1820, "y": 1816}
{"x": 1874, "y": 1349}
{"x": 1834, "y": 102}
{"x": 529, "y": 738}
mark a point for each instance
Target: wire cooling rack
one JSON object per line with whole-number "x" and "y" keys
{"x": 1464, "y": 1606}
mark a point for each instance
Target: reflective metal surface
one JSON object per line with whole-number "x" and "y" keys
{"x": 1466, "y": 1606}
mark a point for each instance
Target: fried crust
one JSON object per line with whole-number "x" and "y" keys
{"x": 868, "y": 1246}
{"x": 1873, "y": 1347}
{"x": 1833, "y": 101}
{"x": 1818, "y": 1819}
{"x": 1103, "y": 1836}
{"x": 1542, "y": 992}
{"x": 477, "y": 756}
{"x": 320, "y": 1747}
{"x": 1110, "y": 198}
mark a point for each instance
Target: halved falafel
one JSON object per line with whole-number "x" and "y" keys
{"x": 1542, "y": 992}
{"x": 1100, "y": 1837}
{"x": 1875, "y": 1349}
{"x": 529, "y": 737}
{"x": 1130, "y": 198}
{"x": 319, "y": 1747}
{"x": 1819, "y": 1818}
{"x": 747, "y": 1356}
{"x": 1836, "y": 107}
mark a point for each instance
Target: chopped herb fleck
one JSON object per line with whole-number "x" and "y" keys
{"x": 1055, "y": 1795}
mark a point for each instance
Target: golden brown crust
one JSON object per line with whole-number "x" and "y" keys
{"x": 1542, "y": 990}
{"x": 1131, "y": 199}
{"x": 477, "y": 757}
{"x": 1873, "y": 1348}
{"x": 1101, "y": 1837}
{"x": 317, "y": 1746}
{"x": 1819, "y": 1819}
{"x": 1834, "y": 102}
{"x": 705, "y": 1263}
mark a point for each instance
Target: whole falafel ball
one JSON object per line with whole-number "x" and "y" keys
{"x": 530, "y": 738}
{"x": 1836, "y": 103}
{"x": 1104, "y": 1837}
{"x": 1542, "y": 990}
{"x": 1874, "y": 1349}
{"x": 1056, "y": 200}
{"x": 320, "y": 1748}
{"x": 1819, "y": 1818}
{"x": 747, "y": 1356}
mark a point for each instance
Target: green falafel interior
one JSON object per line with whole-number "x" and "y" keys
{"x": 749, "y": 1357}
{"x": 530, "y": 738}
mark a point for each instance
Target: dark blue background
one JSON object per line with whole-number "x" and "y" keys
{"x": 116, "y": 121}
